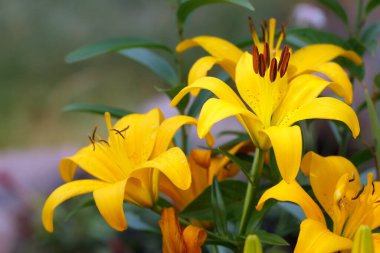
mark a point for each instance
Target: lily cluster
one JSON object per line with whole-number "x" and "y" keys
{"x": 274, "y": 89}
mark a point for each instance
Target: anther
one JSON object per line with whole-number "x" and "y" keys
{"x": 285, "y": 63}
{"x": 273, "y": 70}
{"x": 251, "y": 25}
{"x": 283, "y": 31}
{"x": 104, "y": 141}
{"x": 284, "y": 50}
{"x": 359, "y": 193}
{"x": 352, "y": 179}
{"x": 266, "y": 54}
{"x": 263, "y": 30}
{"x": 255, "y": 58}
{"x": 120, "y": 132}
{"x": 262, "y": 66}
{"x": 373, "y": 188}
{"x": 92, "y": 141}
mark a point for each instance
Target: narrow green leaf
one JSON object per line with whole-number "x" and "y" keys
{"x": 270, "y": 239}
{"x": 355, "y": 70}
{"x": 187, "y": 7}
{"x": 233, "y": 192}
{"x": 89, "y": 202}
{"x": 198, "y": 102}
{"x": 172, "y": 92}
{"x": 371, "y": 6}
{"x": 374, "y": 123}
{"x": 370, "y": 36}
{"x": 98, "y": 109}
{"x": 112, "y": 45}
{"x": 243, "y": 165}
{"x": 154, "y": 62}
{"x": 337, "y": 8}
{"x": 361, "y": 157}
{"x": 300, "y": 37}
{"x": 376, "y": 80}
{"x": 219, "y": 209}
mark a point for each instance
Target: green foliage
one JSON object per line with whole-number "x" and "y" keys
{"x": 372, "y": 4}
{"x": 337, "y": 8}
{"x": 370, "y": 36}
{"x": 218, "y": 208}
{"x": 98, "y": 109}
{"x": 113, "y": 45}
{"x": 270, "y": 238}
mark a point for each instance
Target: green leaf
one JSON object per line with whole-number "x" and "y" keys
{"x": 270, "y": 239}
{"x": 89, "y": 202}
{"x": 233, "y": 192}
{"x": 172, "y": 92}
{"x": 244, "y": 166}
{"x": 370, "y": 35}
{"x": 300, "y": 37}
{"x": 375, "y": 98}
{"x": 355, "y": 70}
{"x": 198, "y": 102}
{"x": 376, "y": 80}
{"x": 112, "y": 45}
{"x": 187, "y": 7}
{"x": 98, "y": 109}
{"x": 371, "y": 6}
{"x": 361, "y": 157}
{"x": 335, "y": 7}
{"x": 219, "y": 209}
{"x": 154, "y": 62}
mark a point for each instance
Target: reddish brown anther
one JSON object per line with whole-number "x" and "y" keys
{"x": 262, "y": 65}
{"x": 283, "y": 31}
{"x": 255, "y": 58}
{"x": 266, "y": 54}
{"x": 285, "y": 63}
{"x": 273, "y": 70}
{"x": 251, "y": 25}
{"x": 284, "y": 50}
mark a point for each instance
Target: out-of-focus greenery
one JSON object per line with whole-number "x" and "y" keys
{"x": 36, "y": 82}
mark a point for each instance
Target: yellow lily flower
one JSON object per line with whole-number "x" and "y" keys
{"x": 125, "y": 167}
{"x": 203, "y": 168}
{"x": 313, "y": 58}
{"x": 276, "y": 97}
{"x": 336, "y": 185}
{"x": 177, "y": 240}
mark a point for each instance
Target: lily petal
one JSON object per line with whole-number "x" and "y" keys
{"x": 309, "y": 57}
{"x": 324, "y": 173}
{"x": 172, "y": 163}
{"x": 294, "y": 193}
{"x": 341, "y": 84}
{"x": 169, "y": 127}
{"x": 376, "y": 241}
{"x": 215, "y": 110}
{"x": 109, "y": 201}
{"x": 172, "y": 240}
{"x": 287, "y": 146}
{"x": 65, "y": 192}
{"x": 194, "y": 238}
{"x": 215, "y": 46}
{"x": 326, "y": 108}
{"x": 216, "y": 86}
{"x": 314, "y": 237}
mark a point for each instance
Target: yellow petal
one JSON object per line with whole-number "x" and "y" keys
{"x": 109, "y": 201}
{"x": 168, "y": 129}
{"x": 138, "y": 138}
{"x": 173, "y": 164}
{"x": 95, "y": 162}
{"x": 139, "y": 192}
{"x": 302, "y": 90}
{"x": 341, "y": 85}
{"x": 376, "y": 212}
{"x": 294, "y": 193}
{"x": 64, "y": 193}
{"x": 376, "y": 241}
{"x": 363, "y": 241}
{"x": 201, "y": 67}
{"x": 172, "y": 240}
{"x": 309, "y": 57}
{"x": 215, "y": 46}
{"x": 194, "y": 238}
{"x": 324, "y": 173}
{"x": 314, "y": 237}
{"x": 215, "y": 110}
{"x": 216, "y": 86}
{"x": 326, "y": 108}
{"x": 287, "y": 146}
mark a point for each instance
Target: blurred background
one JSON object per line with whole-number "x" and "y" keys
{"x": 36, "y": 83}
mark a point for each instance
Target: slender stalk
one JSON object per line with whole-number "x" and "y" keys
{"x": 255, "y": 175}
{"x": 359, "y": 17}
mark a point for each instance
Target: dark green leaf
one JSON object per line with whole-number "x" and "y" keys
{"x": 187, "y": 7}
{"x": 154, "y": 62}
{"x": 172, "y": 92}
{"x": 370, "y": 35}
{"x": 355, "y": 70}
{"x": 113, "y": 45}
{"x": 300, "y": 37}
{"x": 376, "y": 80}
{"x": 233, "y": 192}
{"x": 257, "y": 217}
{"x": 244, "y": 166}
{"x": 90, "y": 202}
{"x": 361, "y": 157}
{"x": 219, "y": 209}
{"x": 270, "y": 239}
{"x": 335, "y": 7}
{"x": 198, "y": 102}
{"x": 371, "y": 6}
{"x": 98, "y": 109}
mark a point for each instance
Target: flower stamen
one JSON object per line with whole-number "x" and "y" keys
{"x": 358, "y": 194}
{"x": 120, "y": 132}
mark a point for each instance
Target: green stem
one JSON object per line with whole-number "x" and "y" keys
{"x": 255, "y": 176}
{"x": 359, "y": 18}
{"x": 224, "y": 241}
